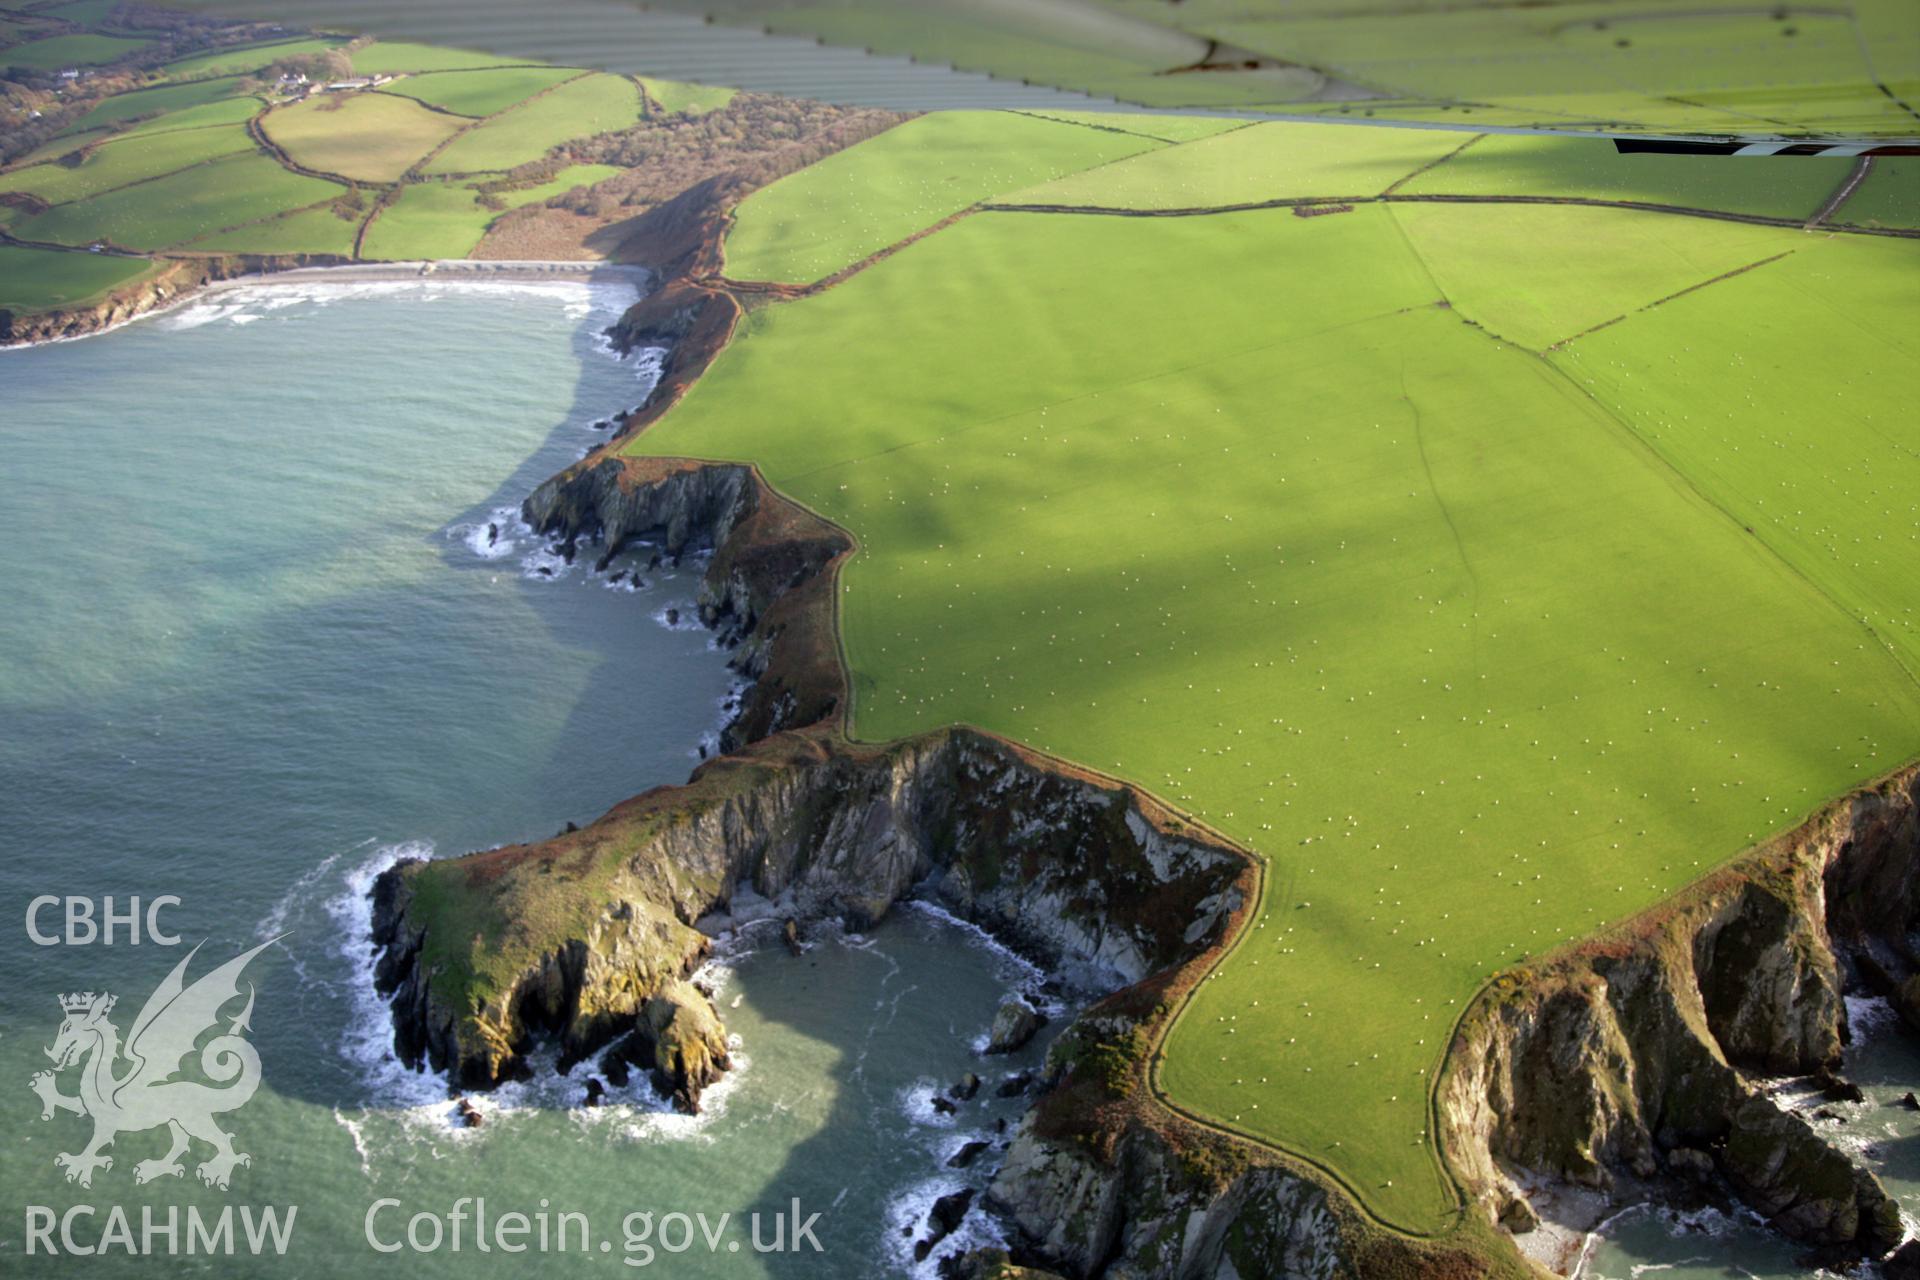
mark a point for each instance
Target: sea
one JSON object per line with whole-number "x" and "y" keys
{"x": 269, "y": 622}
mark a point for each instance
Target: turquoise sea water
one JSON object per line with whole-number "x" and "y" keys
{"x": 255, "y": 643}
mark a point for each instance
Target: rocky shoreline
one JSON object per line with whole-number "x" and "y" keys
{"x": 181, "y": 280}
{"x": 1623, "y": 1069}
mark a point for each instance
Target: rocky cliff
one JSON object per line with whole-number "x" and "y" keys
{"x": 580, "y": 936}
{"x": 1635, "y": 1058}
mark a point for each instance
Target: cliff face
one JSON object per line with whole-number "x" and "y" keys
{"x": 1140, "y": 1206}
{"x": 768, "y": 588}
{"x": 1073, "y": 869}
{"x": 1635, "y": 1058}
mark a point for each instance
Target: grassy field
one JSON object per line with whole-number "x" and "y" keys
{"x": 183, "y": 206}
{"x": 446, "y": 220}
{"x": 589, "y": 105}
{"x": 39, "y": 279}
{"x": 1590, "y": 167}
{"x": 1834, "y": 491}
{"x": 151, "y": 102}
{"x": 679, "y": 98}
{"x": 226, "y": 62}
{"x": 390, "y": 57}
{"x": 1538, "y": 275}
{"x": 832, "y": 214}
{"x": 318, "y": 230}
{"x": 369, "y": 137}
{"x": 1233, "y": 506}
{"x": 135, "y": 159}
{"x": 1890, "y": 197}
{"x": 57, "y": 52}
{"x": 1259, "y": 162}
{"x": 480, "y": 93}
{"x": 207, "y": 115}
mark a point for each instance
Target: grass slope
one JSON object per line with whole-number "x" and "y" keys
{"x": 57, "y": 52}
{"x": 116, "y": 164}
{"x": 807, "y": 226}
{"x": 578, "y": 109}
{"x": 1261, "y": 162}
{"x": 182, "y": 206}
{"x": 39, "y": 279}
{"x": 480, "y": 93}
{"x": 369, "y": 137}
{"x": 1393, "y": 603}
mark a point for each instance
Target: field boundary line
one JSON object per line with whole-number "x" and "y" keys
{"x": 1679, "y": 293}
{"x": 1434, "y": 163}
{"x": 1848, "y": 185}
{"x": 1592, "y": 202}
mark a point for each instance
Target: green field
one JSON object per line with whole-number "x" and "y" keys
{"x": 1539, "y": 275}
{"x": 184, "y": 206}
{"x": 445, "y": 219}
{"x": 579, "y": 109}
{"x": 207, "y": 115}
{"x": 480, "y": 93}
{"x": 150, "y": 102}
{"x": 390, "y": 57}
{"x": 1473, "y": 645}
{"x": 318, "y": 230}
{"x": 1834, "y": 491}
{"x": 1260, "y": 162}
{"x": 135, "y": 159}
{"x": 368, "y": 137}
{"x": 252, "y": 57}
{"x": 39, "y": 279}
{"x": 1890, "y": 197}
{"x": 1590, "y": 168}
{"x": 854, "y": 203}
{"x": 57, "y": 52}
{"x": 676, "y": 97}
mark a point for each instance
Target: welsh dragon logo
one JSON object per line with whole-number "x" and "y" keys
{"x": 149, "y": 1091}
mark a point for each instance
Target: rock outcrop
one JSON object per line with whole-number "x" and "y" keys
{"x": 1078, "y": 872}
{"x": 1635, "y": 1058}
{"x": 1142, "y": 1203}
